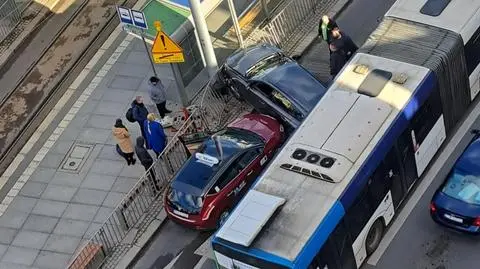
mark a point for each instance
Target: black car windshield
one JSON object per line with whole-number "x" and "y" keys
{"x": 296, "y": 83}
{"x": 265, "y": 64}
{"x": 199, "y": 170}
{"x": 463, "y": 186}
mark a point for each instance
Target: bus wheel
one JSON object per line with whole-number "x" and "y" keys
{"x": 223, "y": 218}
{"x": 374, "y": 236}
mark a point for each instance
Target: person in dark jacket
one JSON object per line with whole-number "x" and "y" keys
{"x": 337, "y": 60}
{"x": 140, "y": 113}
{"x": 145, "y": 158}
{"x": 325, "y": 28}
{"x": 156, "y": 137}
{"x": 343, "y": 42}
{"x": 157, "y": 93}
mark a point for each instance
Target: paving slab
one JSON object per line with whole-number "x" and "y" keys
{"x": 50, "y": 208}
{"x": 23, "y": 203}
{"x": 58, "y": 193}
{"x": 19, "y": 255}
{"x": 53, "y": 260}
{"x": 62, "y": 243}
{"x": 80, "y": 212}
{"x": 40, "y": 223}
{"x": 30, "y": 239}
{"x": 6, "y": 237}
{"x": 89, "y": 197}
{"x": 76, "y": 228}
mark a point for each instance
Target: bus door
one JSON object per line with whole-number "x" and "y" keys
{"x": 394, "y": 166}
{"x": 407, "y": 157}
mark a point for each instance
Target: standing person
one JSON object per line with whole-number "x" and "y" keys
{"x": 145, "y": 158}
{"x": 124, "y": 145}
{"x": 140, "y": 113}
{"x": 343, "y": 42}
{"x": 337, "y": 60}
{"x": 157, "y": 93}
{"x": 156, "y": 137}
{"x": 325, "y": 28}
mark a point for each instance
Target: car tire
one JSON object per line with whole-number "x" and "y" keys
{"x": 223, "y": 217}
{"x": 374, "y": 236}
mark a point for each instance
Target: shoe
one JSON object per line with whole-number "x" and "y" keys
{"x": 134, "y": 161}
{"x": 166, "y": 121}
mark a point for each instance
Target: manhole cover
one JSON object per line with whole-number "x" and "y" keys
{"x": 76, "y": 157}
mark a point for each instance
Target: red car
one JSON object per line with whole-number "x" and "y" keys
{"x": 215, "y": 178}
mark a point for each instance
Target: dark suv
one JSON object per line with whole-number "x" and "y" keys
{"x": 272, "y": 83}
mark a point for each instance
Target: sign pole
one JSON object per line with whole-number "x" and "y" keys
{"x": 181, "y": 87}
{"x": 148, "y": 53}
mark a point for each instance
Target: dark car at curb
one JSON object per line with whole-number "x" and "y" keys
{"x": 456, "y": 203}
{"x": 221, "y": 171}
{"x": 272, "y": 83}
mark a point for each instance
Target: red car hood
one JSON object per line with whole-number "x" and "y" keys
{"x": 264, "y": 126}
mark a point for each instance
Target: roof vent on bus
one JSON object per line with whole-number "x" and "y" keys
{"x": 374, "y": 83}
{"x": 313, "y": 158}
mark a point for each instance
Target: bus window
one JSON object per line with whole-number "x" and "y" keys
{"x": 337, "y": 252}
{"x": 359, "y": 213}
{"x": 471, "y": 52}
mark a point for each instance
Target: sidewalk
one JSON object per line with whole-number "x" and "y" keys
{"x": 65, "y": 192}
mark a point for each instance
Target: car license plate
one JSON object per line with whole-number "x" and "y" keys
{"x": 450, "y": 217}
{"x": 176, "y": 212}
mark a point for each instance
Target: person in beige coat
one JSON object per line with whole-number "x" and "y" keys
{"x": 124, "y": 144}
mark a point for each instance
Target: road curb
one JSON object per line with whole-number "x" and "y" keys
{"x": 336, "y": 10}
{"x": 133, "y": 254}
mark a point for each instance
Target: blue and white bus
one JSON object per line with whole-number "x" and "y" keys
{"x": 325, "y": 200}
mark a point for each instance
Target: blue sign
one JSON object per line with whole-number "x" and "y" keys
{"x": 139, "y": 19}
{"x": 125, "y": 15}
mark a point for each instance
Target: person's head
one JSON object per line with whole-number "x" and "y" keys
{"x": 139, "y": 99}
{"x": 325, "y": 19}
{"x": 154, "y": 80}
{"x": 118, "y": 122}
{"x": 151, "y": 117}
{"x": 333, "y": 47}
{"x": 336, "y": 32}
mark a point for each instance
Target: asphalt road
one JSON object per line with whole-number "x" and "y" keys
{"x": 420, "y": 243}
{"x": 174, "y": 241}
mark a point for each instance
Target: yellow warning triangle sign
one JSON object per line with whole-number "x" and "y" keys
{"x": 164, "y": 44}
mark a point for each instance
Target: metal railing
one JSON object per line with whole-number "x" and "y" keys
{"x": 280, "y": 29}
{"x": 211, "y": 111}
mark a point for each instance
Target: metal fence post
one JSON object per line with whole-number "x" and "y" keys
{"x": 121, "y": 219}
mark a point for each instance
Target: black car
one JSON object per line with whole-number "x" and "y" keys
{"x": 272, "y": 83}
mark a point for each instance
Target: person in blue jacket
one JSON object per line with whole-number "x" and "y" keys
{"x": 156, "y": 137}
{"x": 140, "y": 113}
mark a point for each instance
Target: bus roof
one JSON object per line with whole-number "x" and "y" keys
{"x": 459, "y": 16}
{"x": 321, "y": 158}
